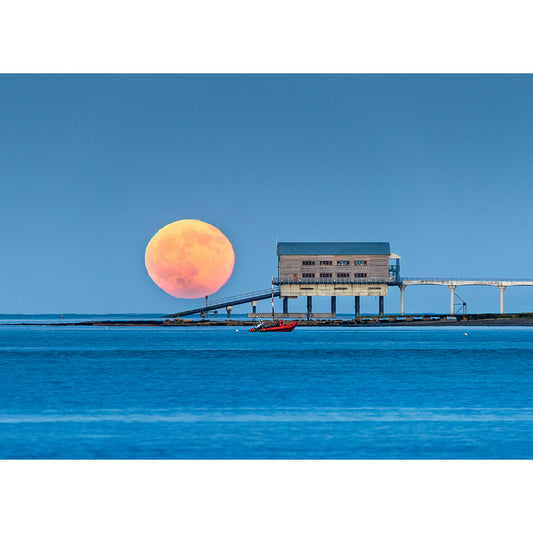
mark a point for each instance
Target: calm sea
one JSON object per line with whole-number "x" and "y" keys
{"x": 223, "y": 393}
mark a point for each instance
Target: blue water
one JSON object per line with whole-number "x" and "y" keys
{"x": 213, "y": 392}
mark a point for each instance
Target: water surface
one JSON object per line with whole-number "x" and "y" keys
{"x": 215, "y": 392}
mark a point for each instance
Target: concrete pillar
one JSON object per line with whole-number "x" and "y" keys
{"x": 228, "y": 310}
{"x": 452, "y": 294}
{"x": 402, "y": 290}
{"x": 285, "y": 306}
{"x": 502, "y": 288}
{"x": 357, "y": 306}
{"x": 334, "y": 305}
{"x": 381, "y": 305}
{"x": 254, "y": 307}
{"x": 309, "y": 306}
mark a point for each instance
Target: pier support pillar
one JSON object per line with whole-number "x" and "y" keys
{"x": 254, "y": 307}
{"x": 452, "y": 295}
{"x": 309, "y": 306}
{"x": 228, "y": 311}
{"x": 334, "y": 305}
{"x": 502, "y": 288}
{"x": 402, "y": 290}
{"x": 285, "y": 306}
{"x": 357, "y": 306}
{"x": 381, "y": 305}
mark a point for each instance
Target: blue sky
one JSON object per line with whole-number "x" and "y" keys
{"x": 92, "y": 166}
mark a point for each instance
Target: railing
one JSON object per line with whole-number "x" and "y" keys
{"x": 352, "y": 281}
{"x": 233, "y": 300}
{"x": 244, "y": 296}
{"x": 421, "y": 278}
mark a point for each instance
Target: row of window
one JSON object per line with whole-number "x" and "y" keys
{"x": 337, "y": 275}
{"x": 340, "y": 263}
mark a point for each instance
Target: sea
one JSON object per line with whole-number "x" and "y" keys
{"x": 202, "y": 392}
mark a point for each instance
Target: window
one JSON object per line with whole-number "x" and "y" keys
{"x": 360, "y": 275}
{"x": 343, "y": 274}
{"x": 325, "y": 274}
{"x": 326, "y": 262}
{"x": 307, "y": 263}
{"x": 343, "y": 263}
{"x": 308, "y": 275}
{"x": 362, "y": 262}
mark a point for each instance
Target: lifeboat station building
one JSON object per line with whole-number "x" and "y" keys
{"x": 335, "y": 269}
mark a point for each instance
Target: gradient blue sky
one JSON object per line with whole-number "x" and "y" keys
{"x": 92, "y": 166}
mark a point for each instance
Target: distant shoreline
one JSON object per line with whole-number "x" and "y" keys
{"x": 525, "y": 319}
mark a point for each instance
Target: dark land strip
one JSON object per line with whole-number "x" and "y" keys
{"x": 515, "y": 319}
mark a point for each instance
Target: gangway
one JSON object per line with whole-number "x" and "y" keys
{"x": 230, "y": 301}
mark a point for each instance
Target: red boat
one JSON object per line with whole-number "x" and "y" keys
{"x": 279, "y": 326}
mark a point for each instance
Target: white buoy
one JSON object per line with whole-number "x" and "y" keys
{"x": 466, "y": 333}
{"x": 236, "y": 330}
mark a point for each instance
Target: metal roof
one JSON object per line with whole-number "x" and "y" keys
{"x": 333, "y": 248}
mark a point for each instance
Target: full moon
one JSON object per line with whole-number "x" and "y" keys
{"x": 189, "y": 259}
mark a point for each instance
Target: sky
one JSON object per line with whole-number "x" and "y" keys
{"x": 92, "y": 166}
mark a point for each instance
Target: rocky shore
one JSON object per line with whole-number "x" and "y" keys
{"x": 515, "y": 319}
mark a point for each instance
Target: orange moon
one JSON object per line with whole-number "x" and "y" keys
{"x": 189, "y": 259}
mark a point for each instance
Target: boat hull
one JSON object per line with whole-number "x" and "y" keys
{"x": 280, "y": 327}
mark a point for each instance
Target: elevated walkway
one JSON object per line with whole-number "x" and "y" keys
{"x": 228, "y": 302}
{"x": 457, "y": 282}
{"x": 453, "y": 283}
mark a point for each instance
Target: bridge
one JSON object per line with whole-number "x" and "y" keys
{"x": 228, "y": 302}
{"x": 452, "y": 283}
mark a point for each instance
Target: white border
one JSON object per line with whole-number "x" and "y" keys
{"x": 287, "y": 36}
{"x": 265, "y": 496}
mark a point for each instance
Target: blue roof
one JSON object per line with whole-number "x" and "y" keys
{"x": 333, "y": 248}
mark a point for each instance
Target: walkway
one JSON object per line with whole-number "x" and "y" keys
{"x": 228, "y": 302}
{"x": 452, "y": 283}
